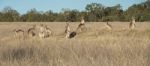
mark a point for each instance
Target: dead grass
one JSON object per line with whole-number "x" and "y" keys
{"x": 93, "y": 48}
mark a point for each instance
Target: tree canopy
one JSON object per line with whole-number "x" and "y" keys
{"x": 94, "y": 12}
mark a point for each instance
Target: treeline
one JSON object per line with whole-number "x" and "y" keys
{"x": 94, "y": 12}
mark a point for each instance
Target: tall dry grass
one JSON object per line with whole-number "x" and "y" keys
{"x": 107, "y": 48}
{"x": 99, "y": 48}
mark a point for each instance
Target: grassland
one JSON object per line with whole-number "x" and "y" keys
{"x": 96, "y": 47}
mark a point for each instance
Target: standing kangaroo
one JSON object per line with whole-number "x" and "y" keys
{"x": 69, "y": 33}
{"x": 81, "y": 27}
{"x": 132, "y": 24}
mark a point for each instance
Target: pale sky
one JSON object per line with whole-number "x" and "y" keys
{"x": 23, "y": 6}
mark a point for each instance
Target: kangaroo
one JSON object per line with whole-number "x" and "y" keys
{"x": 81, "y": 27}
{"x": 132, "y": 24}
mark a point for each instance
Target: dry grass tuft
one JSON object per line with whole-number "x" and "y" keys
{"x": 92, "y": 48}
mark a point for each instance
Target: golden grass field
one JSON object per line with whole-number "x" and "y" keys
{"x": 95, "y": 47}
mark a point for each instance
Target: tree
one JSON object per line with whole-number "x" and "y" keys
{"x": 114, "y": 13}
{"x": 0, "y": 16}
{"x": 74, "y": 15}
{"x": 33, "y": 16}
{"x": 9, "y": 15}
{"x": 95, "y": 11}
{"x": 48, "y": 16}
{"x": 136, "y": 10}
{"x": 70, "y": 15}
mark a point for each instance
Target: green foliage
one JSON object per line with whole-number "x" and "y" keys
{"x": 8, "y": 14}
{"x": 145, "y": 17}
{"x": 33, "y": 16}
{"x": 48, "y": 16}
{"x": 94, "y": 12}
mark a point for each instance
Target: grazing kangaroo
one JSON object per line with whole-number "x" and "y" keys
{"x": 19, "y": 32}
{"x": 132, "y": 24}
{"x": 32, "y": 31}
